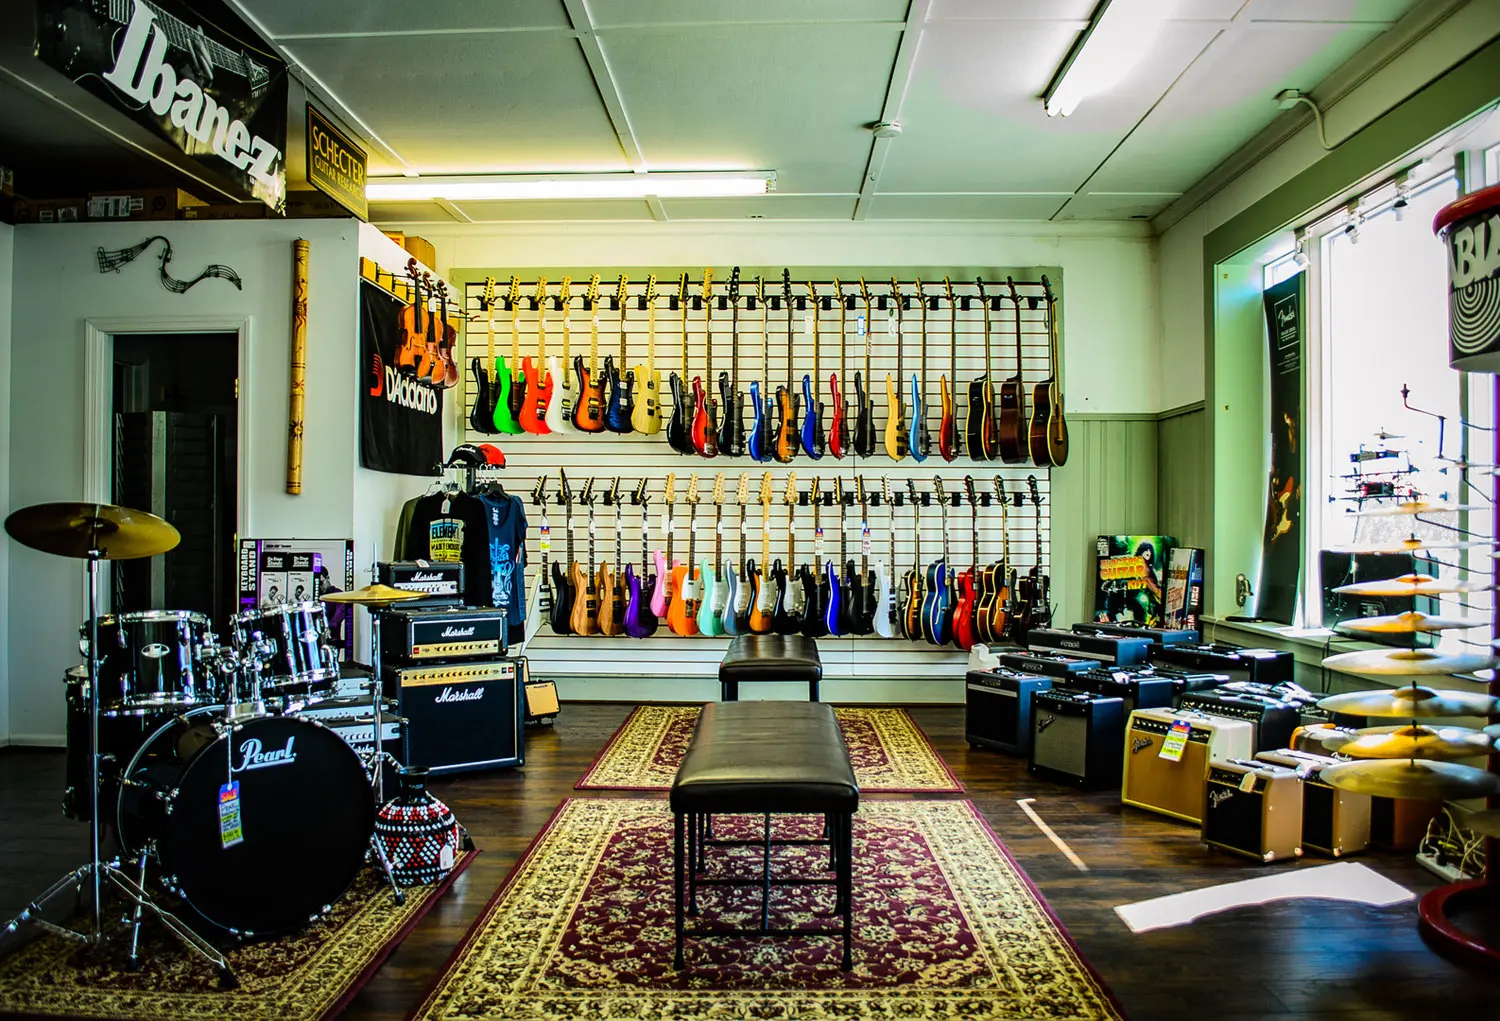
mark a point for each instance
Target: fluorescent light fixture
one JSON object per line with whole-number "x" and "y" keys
{"x": 1119, "y": 35}
{"x": 502, "y": 187}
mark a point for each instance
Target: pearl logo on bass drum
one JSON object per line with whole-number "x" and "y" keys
{"x": 449, "y": 695}
{"x": 252, "y": 757}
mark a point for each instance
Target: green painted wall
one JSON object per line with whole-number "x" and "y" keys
{"x": 1182, "y": 493}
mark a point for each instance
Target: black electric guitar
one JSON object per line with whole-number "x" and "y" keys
{"x": 860, "y": 588}
{"x": 482, "y": 414}
{"x": 864, "y": 405}
{"x": 787, "y": 618}
{"x": 814, "y": 580}
{"x": 561, "y": 617}
{"x": 679, "y": 426}
{"x": 732, "y": 424}
{"x": 1034, "y": 608}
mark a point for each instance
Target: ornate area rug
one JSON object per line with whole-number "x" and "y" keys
{"x": 946, "y": 926}
{"x": 889, "y": 751}
{"x": 306, "y": 977}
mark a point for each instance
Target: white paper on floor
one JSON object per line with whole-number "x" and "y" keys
{"x": 1347, "y": 881}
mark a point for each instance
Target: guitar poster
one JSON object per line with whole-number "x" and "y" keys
{"x": 1128, "y": 581}
{"x": 400, "y": 417}
{"x": 220, "y": 99}
{"x": 1281, "y": 543}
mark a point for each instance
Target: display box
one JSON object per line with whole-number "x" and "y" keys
{"x": 227, "y": 211}
{"x": 50, "y": 210}
{"x": 1129, "y": 585}
{"x": 139, "y": 204}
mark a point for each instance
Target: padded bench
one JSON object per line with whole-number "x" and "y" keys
{"x": 763, "y": 758}
{"x": 770, "y": 658}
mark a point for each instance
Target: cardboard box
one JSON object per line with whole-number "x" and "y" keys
{"x": 422, "y": 249}
{"x": 307, "y": 204}
{"x": 226, "y": 211}
{"x": 139, "y": 204}
{"x": 50, "y": 210}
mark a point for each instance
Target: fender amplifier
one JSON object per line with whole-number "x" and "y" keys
{"x": 1174, "y": 787}
{"x": 1254, "y": 809}
{"x": 1274, "y": 720}
{"x": 542, "y": 705}
{"x": 443, "y": 583}
{"x": 1189, "y": 680}
{"x": 1155, "y": 635}
{"x": 1334, "y": 822}
{"x": 1104, "y": 648}
{"x": 1138, "y": 686}
{"x": 1046, "y": 665}
{"x": 420, "y": 635}
{"x": 1076, "y": 738}
{"x": 461, "y": 716}
{"x": 1265, "y": 666}
{"x": 997, "y": 709}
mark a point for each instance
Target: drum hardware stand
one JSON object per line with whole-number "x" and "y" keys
{"x": 378, "y": 754}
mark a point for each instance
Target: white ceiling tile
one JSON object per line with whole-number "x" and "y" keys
{"x": 595, "y": 209}
{"x": 965, "y": 207}
{"x": 408, "y": 212}
{"x": 1106, "y": 206}
{"x": 1011, "y": 10}
{"x": 298, "y": 17}
{"x": 1331, "y": 10}
{"x": 618, "y": 13}
{"x": 767, "y": 207}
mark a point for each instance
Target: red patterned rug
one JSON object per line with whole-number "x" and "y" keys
{"x": 889, "y": 751}
{"x": 946, "y": 926}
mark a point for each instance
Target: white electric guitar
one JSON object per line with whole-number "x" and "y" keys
{"x": 885, "y": 603}
{"x": 559, "y": 415}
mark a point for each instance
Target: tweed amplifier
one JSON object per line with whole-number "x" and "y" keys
{"x": 1274, "y": 720}
{"x": 1046, "y": 665}
{"x": 997, "y": 709}
{"x": 1077, "y": 738}
{"x": 1334, "y": 822}
{"x": 1138, "y": 686}
{"x": 1254, "y": 809}
{"x": 461, "y": 716}
{"x": 542, "y": 705}
{"x": 1155, "y": 635}
{"x": 421, "y": 635}
{"x": 442, "y": 583}
{"x": 1104, "y": 648}
{"x": 1169, "y": 786}
{"x": 1265, "y": 666}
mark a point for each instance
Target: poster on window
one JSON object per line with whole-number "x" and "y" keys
{"x": 1281, "y": 542}
{"x": 400, "y": 416}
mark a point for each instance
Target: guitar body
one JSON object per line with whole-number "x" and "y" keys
{"x": 1048, "y": 437}
{"x": 812, "y": 430}
{"x": 784, "y": 620}
{"x": 731, "y": 437}
{"x": 482, "y": 414}
{"x": 810, "y": 621}
{"x": 787, "y": 440}
{"x": 561, "y": 617}
{"x": 588, "y": 414}
{"x": 515, "y": 399}
{"x": 979, "y": 430}
{"x": 948, "y": 426}
{"x": 758, "y": 441}
{"x": 937, "y": 608}
{"x": 736, "y": 601}
{"x": 914, "y": 594}
{"x": 853, "y": 613}
{"x": 640, "y": 622}
{"x": 559, "y": 416}
{"x": 919, "y": 441}
{"x": 505, "y": 418}
{"x": 838, "y": 427}
{"x": 645, "y": 409}
{"x": 585, "y": 616}
{"x": 763, "y": 600}
{"x": 661, "y": 592}
{"x": 682, "y": 611}
{"x": 679, "y": 435}
{"x": 991, "y": 606}
{"x": 611, "y": 603}
{"x": 715, "y": 595}
{"x": 882, "y": 604}
{"x": 704, "y": 439}
{"x": 619, "y": 405}
{"x": 833, "y": 608}
{"x": 964, "y": 634}
{"x": 895, "y": 428}
{"x": 538, "y": 394}
{"x": 864, "y": 420}
{"x": 1011, "y": 424}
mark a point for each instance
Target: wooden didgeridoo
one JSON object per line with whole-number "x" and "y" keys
{"x": 299, "y": 368}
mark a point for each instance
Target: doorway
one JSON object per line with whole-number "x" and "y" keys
{"x": 174, "y": 451}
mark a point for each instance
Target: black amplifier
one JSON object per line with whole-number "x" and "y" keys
{"x": 997, "y": 708}
{"x": 461, "y": 716}
{"x": 443, "y": 583}
{"x": 1104, "y": 648}
{"x": 1264, "y": 666}
{"x": 1077, "y": 739}
{"x": 1156, "y": 635}
{"x": 424, "y": 635}
{"x": 1189, "y": 680}
{"x": 352, "y": 718}
{"x": 1254, "y": 809}
{"x": 1140, "y": 687}
{"x": 1045, "y": 664}
{"x": 1274, "y": 720}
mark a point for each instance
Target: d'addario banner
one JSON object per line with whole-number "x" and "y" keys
{"x": 219, "y": 99}
{"x": 400, "y": 417}
{"x": 1281, "y": 543}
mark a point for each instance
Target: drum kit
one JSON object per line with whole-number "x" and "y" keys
{"x": 194, "y": 752}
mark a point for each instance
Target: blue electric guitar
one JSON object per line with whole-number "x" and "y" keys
{"x": 919, "y": 441}
{"x": 937, "y": 598}
{"x": 619, "y": 382}
{"x": 758, "y": 440}
{"x": 812, "y": 425}
{"x": 835, "y": 615}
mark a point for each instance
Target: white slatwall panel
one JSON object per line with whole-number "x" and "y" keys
{"x": 633, "y": 457}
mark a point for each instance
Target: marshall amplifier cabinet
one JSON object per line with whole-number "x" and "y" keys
{"x": 1264, "y": 666}
{"x": 997, "y": 709}
{"x": 1254, "y": 809}
{"x": 351, "y": 718}
{"x": 1056, "y": 667}
{"x": 1274, "y": 720}
{"x": 1334, "y": 822}
{"x": 1171, "y": 786}
{"x": 1104, "y": 648}
{"x": 461, "y": 716}
{"x": 425, "y": 635}
{"x": 1138, "y": 686}
{"x": 443, "y": 583}
{"x": 1076, "y": 738}
{"x": 1155, "y": 635}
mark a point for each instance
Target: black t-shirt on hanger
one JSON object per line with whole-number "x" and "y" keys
{"x": 453, "y": 529}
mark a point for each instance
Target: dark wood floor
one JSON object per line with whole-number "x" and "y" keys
{"x": 1316, "y": 960}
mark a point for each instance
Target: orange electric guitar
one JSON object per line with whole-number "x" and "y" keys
{"x": 585, "y": 617}
{"x": 538, "y": 379}
{"x": 687, "y": 586}
{"x": 948, "y": 444}
{"x": 588, "y": 412}
{"x": 787, "y": 440}
{"x": 611, "y": 585}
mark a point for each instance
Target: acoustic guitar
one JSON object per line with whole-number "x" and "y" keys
{"x": 619, "y": 382}
{"x": 711, "y": 574}
{"x": 482, "y": 413}
{"x": 735, "y": 619}
{"x": 561, "y": 618}
{"x": 679, "y": 426}
{"x": 787, "y": 619}
{"x": 612, "y": 596}
{"x": 920, "y": 441}
{"x": 585, "y": 617}
{"x": 560, "y": 406}
{"x": 787, "y": 440}
{"x": 661, "y": 593}
{"x": 992, "y": 595}
{"x": 913, "y": 589}
{"x": 1049, "y": 430}
{"x": 964, "y": 584}
{"x": 705, "y": 427}
{"x": 538, "y": 381}
{"x": 895, "y": 419}
{"x": 884, "y": 620}
{"x": 758, "y": 441}
{"x": 948, "y": 445}
{"x": 937, "y": 602}
{"x": 1034, "y": 602}
{"x": 731, "y": 437}
{"x": 640, "y": 622}
{"x": 1011, "y": 427}
{"x": 507, "y": 400}
{"x": 979, "y": 428}
{"x": 813, "y": 621}
{"x": 763, "y": 596}
{"x": 687, "y": 589}
{"x": 864, "y": 404}
{"x": 838, "y": 426}
{"x": 812, "y": 422}
{"x": 588, "y": 412}
{"x": 645, "y": 415}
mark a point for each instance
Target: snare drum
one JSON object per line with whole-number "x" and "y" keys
{"x": 303, "y": 662}
{"x": 152, "y": 661}
{"x": 120, "y": 736}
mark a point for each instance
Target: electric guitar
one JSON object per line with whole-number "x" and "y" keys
{"x": 705, "y": 427}
{"x": 919, "y": 442}
{"x": 884, "y": 602}
{"x": 640, "y": 622}
{"x": 787, "y": 619}
{"x": 561, "y": 618}
{"x": 507, "y": 401}
{"x": 1012, "y": 400}
{"x": 687, "y": 586}
{"x": 542, "y": 601}
{"x": 712, "y": 575}
{"x": 679, "y": 426}
{"x": 948, "y": 426}
{"x": 661, "y": 593}
{"x": 937, "y": 602}
{"x": 992, "y": 596}
{"x": 538, "y": 393}
{"x": 843, "y": 591}
{"x": 645, "y": 415}
{"x": 585, "y": 618}
{"x": 864, "y": 405}
{"x": 979, "y": 427}
{"x": 735, "y": 617}
{"x": 812, "y": 427}
{"x": 963, "y": 607}
{"x": 895, "y": 421}
{"x": 612, "y": 582}
{"x": 731, "y": 437}
{"x": 482, "y": 414}
{"x": 1035, "y": 609}
{"x": 588, "y": 412}
{"x": 787, "y": 440}
{"x": 559, "y": 417}
{"x": 814, "y": 622}
{"x": 1049, "y": 430}
{"x": 913, "y": 583}
{"x": 838, "y": 427}
{"x": 758, "y": 441}
{"x": 619, "y": 407}
{"x": 764, "y": 595}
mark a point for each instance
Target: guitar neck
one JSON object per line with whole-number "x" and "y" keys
{"x": 594, "y": 342}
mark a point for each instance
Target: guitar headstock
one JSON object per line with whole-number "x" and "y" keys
{"x": 515, "y": 298}
{"x": 1015, "y": 295}
{"x": 719, "y": 489}
{"x": 885, "y": 480}
{"x": 838, "y": 490}
{"x": 760, "y": 293}
{"x": 896, "y": 295}
{"x": 682, "y": 296}
{"x": 911, "y": 488}
{"x": 984, "y": 301}
{"x": 864, "y": 292}
{"x": 564, "y": 491}
{"x": 734, "y": 288}
{"x": 708, "y": 287}
{"x": 587, "y": 496}
{"x": 948, "y": 286}
{"x": 640, "y": 495}
{"x": 669, "y": 493}
{"x": 786, "y": 290}
{"x": 538, "y": 490}
{"x": 744, "y": 491}
{"x": 791, "y": 497}
{"x": 969, "y": 488}
{"x": 815, "y": 493}
{"x": 765, "y": 491}
{"x": 565, "y": 294}
{"x": 541, "y": 299}
{"x": 614, "y": 494}
{"x": 859, "y": 489}
{"x": 692, "y": 493}
{"x": 489, "y": 293}
{"x": 1000, "y": 495}
{"x": 1047, "y": 289}
{"x": 922, "y": 300}
{"x": 937, "y": 486}
{"x": 650, "y": 293}
{"x": 594, "y": 296}
{"x": 1036, "y": 496}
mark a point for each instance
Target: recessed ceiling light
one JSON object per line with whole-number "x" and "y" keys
{"x": 502, "y": 187}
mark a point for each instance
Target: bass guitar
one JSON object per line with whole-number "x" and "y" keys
{"x": 705, "y": 427}
{"x": 512, "y": 384}
{"x": 814, "y": 620}
{"x": 979, "y": 428}
{"x": 731, "y": 439}
{"x": 948, "y": 426}
{"x": 561, "y": 405}
{"x": 640, "y": 622}
{"x": 812, "y": 423}
{"x": 913, "y": 584}
{"x": 758, "y": 441}
{"x": 838, "y": 427}
{"x": 482, "y": 413}
{"x": 612, "y": 582}
{"x": 561, "y": 617}
{"x": 919, "y": 441}
{"x": 992, "y": 598}
{"x": 645, "y": 408}
{"x": 964, "y": 605}
{"x": 1049, "y": 430}
{"x": 860, "y": 585}
{"x": 619, "y": 405}
{"x": 787, "y": 439}
{"x": 864, "y": 404}
{"x": 842, "y": 587}
{"x": 588, "y": 412}
{"x": 1011, "y": 426}
{"x": 735, "y": 619}
{"x": 885, "y": 618}
{"x": 585, "y": 619}
{"x": 711, "y": 573}
{"x": 538, "y": 382}
{"x": 937, "y": 602}
{"x": 679, "y": 426}
{"x": 687, "y": 586}
{"x": 787, "y": 619}
{"x": 895, "y": 421}
{"x": 764, "y": 595}
{"x": 661, "y": 594}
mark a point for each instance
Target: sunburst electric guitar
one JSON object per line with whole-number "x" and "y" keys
{"x": 612, "y": 596}
{"x": 763, "y": 588}
{"x": 585, "y": 619}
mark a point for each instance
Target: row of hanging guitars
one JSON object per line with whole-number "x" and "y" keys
{"x": 936, "y": 603}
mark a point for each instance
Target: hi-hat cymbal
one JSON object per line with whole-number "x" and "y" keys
{"x": 1402, "y": 778}
{"x": 1415, "y": 742}
{"x": 1411, "y": 622}
{"x": 372, "y": 595}
{"x": 1486, "y": 824}
{"x": 1412, "y": 585}
{"x": 1408, "y": 662}
{"x": 1411, "y": 544}
{"x": 1409, "y": 507}
{"x": 73, "y": 529}
{"x": 1410, "y": 703}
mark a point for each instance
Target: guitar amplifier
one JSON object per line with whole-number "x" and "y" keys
{"x": 1334, "y": 822}
{"x": 1155, "y": 635}
{"x": 1061, "y": 667}
{"x": 422, "y": 635}
{"x": 997, "y": 709}
{"x": 1254, "y": 809}
{"x": 1265, "y": 666}
{"x": 1175, "y": 787}
{"x": 1077, "y": 738}
{"x": 351, "y": 718}
{"x": 1140, "y": 687}
{"x": 542, "y": 705}
{"x": 1189, "y": 680}
{"x": 443, "y": 583}
{"x": 1274, "y": 720}
{"x": 1104, "y": 648}
{"x": 461, "y": 716}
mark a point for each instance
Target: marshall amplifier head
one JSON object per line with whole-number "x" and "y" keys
{"x": 442, "y": 583}
{"x": 1104, "y": 648}
{"x": 425, "y": 635}
{"x": 1335, "y": 822}
{"x": 1159, "y": 780}
{"x": 1045, "y": 664}
{"x": 1155, "y": 635}
{"x": 1274, "y": 720}
{"x": 1140, "y": 687}
{"x": 997, "y": 708}
{"x": 1254, "y": 809}
{"x": 1264, "y": 666}
{"x": 1077, "y": 738}
{"x": 461, "y": 716}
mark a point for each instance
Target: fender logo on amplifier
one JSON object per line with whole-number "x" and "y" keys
{"x": 1140, "y": 744}
{"x": 1046, "y": 721}
{"x": 1217, "y": 798}
{"x": 449, "y": 695}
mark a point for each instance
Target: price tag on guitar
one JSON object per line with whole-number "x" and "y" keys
{"x": 545, "y": 541}
{"x": 864, "y": 540}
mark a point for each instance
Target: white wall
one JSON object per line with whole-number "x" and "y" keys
{"x": 7, "y": 246}
{"x": 55, "y": 269}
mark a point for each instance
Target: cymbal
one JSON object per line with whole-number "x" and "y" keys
{"x": 1411, "y": 544}
{"x": 1493, "y": 730}
{"x": 73, "y": 529}
{"x": 1410, "y": 703}
{"x": 1486, "y": 824}
{"x": 372, "y": 595}
{"x": 1411, "y": 622}
{"x": 1402, "y": 778}
{"x": 1409, "y": 662}
{"x": 1415, "y": 742}
{"x": 1412, "y": 585}
{"x": 1408, "y": 507}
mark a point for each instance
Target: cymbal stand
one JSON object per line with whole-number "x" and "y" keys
{"x": 378, "y": 755}
{"x": 99, "y": 872}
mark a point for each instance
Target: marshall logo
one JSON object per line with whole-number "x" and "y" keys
{"x": 449, "y": 695}
{"x": 419, "y": 576}
{"x": 252, "y": 757}
{"x": 453, "y": 631}
{"x": 1217, "y": 798}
